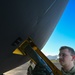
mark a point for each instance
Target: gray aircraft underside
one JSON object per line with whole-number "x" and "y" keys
{"x": 20, "y": 19}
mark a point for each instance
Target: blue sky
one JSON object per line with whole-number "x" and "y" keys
{"x": 64, "y": 33}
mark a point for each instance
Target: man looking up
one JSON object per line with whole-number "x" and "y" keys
{"x": 66, "y": 59}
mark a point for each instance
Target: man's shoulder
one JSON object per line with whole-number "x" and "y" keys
{"x": 71, "y": 72}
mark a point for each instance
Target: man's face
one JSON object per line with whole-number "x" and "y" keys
{"x": 65, "y": 57}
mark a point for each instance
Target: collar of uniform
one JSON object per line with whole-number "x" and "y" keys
{"x": 66, "y": 72}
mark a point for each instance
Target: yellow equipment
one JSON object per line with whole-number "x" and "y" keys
{"x": 29, "y": 48}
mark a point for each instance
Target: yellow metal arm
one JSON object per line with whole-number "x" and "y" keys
{"x": 25, "y": 48}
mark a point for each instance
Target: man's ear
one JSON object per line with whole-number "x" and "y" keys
{"x": 73, "y": 57}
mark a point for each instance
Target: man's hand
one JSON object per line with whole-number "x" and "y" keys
{"x": 39, "y": 70}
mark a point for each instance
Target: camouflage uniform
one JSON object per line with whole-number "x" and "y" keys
{"x": 71, "y": 72}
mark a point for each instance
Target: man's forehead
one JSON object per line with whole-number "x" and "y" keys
{"x": 64, "y": 51}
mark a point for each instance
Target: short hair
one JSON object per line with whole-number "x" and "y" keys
{"x": 71, "y": 50}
